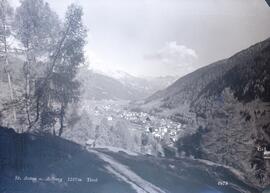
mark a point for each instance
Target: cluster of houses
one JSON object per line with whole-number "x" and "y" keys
{"x": 160, "y": 128}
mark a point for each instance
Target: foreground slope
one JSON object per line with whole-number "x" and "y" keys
{"x": 43, "y": 163}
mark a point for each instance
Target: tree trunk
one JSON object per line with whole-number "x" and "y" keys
{"x": 6, "y": 66}
{"x": 28, "y": 88}
{"x": 62, "y": 114}
{"x": 12, "y": 97}
{"x": 11, "y": 94}
{"x": 54, "y": 134}
{"x": 27, "y": 102}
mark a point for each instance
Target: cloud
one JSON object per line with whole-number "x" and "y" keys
{"x": 174, "y": 55}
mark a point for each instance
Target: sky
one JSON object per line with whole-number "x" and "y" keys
{"x": 167, "y": 37}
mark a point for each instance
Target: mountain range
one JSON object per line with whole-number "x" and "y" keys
{"x": 119, "y": 85}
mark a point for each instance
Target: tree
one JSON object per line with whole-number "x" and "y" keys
{"x": 52, "y": 52}
{"x": 6, "y": 19}
{"x": 37, "y": 29}
{"x": 68, "y": 56}
{"x": 191, "y": 143}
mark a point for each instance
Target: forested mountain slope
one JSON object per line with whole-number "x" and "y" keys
{"x": 225, "y": 107}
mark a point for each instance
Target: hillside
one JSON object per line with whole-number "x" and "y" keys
{"x": 188, "y": 88}
{"x": 97, "y": 87}
{"x": 229, "y": 102}
{"x": 44, "y": 163}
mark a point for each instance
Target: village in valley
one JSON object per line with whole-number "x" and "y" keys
{"x": 162, "y": 129}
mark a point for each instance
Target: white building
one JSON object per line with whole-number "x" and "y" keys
{"x": 266, "y": 154}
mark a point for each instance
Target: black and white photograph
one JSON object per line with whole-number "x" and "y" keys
{"x": 134, "y": 96}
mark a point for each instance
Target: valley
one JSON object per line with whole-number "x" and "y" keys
{"x": 112, "y": 114}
